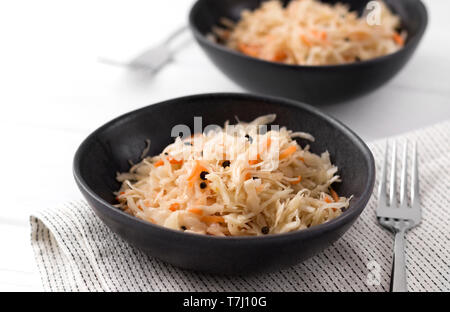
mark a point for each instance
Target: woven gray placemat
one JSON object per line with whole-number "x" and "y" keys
{"x": 75, "y": 251}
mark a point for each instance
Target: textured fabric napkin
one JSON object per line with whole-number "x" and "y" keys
{"x": 75, "y": 252}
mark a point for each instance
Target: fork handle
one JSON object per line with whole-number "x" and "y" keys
{"x": 398, "y": 275}
{"x": 175, "y": 34}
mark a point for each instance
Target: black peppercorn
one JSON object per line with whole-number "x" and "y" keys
{"x": 202, "y": 185}
{"x": 183, "y": 228}
{"x": 357, "y": 59}
{"x": 203, "y": 175}
{"x": 188, "y": 143}
{"x": 265, "y": 230}
{"x": 255, "y": 178}
{"x": 249, "y": 138}
{"x": 226, "y": 163}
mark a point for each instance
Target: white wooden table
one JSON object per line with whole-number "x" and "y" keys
{"x": 54, "y": 92}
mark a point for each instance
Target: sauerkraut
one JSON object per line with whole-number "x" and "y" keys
{"x": 242, "y": 179}
{"x": 309, "y": 32}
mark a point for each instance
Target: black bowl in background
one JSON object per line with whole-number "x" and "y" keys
{"x": 311, "y": 84}
{"x": 108, "y": 150}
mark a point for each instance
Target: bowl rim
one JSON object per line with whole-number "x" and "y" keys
{"x": 347, "y": 216}
{"x": 374, "y": 61}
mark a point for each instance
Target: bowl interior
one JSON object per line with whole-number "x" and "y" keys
{"x": 207, "y": 13}
{"x": 110, "y": 148}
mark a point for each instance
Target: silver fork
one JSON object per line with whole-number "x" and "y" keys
{"x": 397, "y": 216}
{"x": 152, "y": 59}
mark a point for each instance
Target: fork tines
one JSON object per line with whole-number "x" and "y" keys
{"x": 391, "y": 207}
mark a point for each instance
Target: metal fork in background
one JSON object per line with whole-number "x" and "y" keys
{"x": 398, "y": 216}
{"x": 153, "y": 59}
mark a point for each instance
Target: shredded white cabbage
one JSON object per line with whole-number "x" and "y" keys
{"x": 309, "y": 32}
{"x": 243, "y": 179}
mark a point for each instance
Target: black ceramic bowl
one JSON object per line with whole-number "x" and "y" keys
{"x": 108, "y": 150}
{"x": 311, "y": 84}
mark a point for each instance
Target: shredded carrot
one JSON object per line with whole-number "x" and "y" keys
{"x": 322, "y": 35}
{"x": 198, "y": 168}
{"x": 249, "y": 49}
{"x": 302, "y": 159}
{"x": 173, "y": 161}
{"x": 147, "y": 203}
{"x": 299, "y": 179}
{"x": 328, "y": 200}
{"x": 334, "y": 195}
{"x": 268, "y": 143}
{"x": 398, "y": 39}
{"x": 174, "y": 207}
{"x": 159, "y": 163}
{"x": 279, "y": 56}
{"x": 213, "y": 219}
{"x": 288, "y": 152}
{"x": 196, "y": 211}
{"x": 248, "y": 176}
{"x": 305, "y": 40}
{"x": 254, "y": 161}
{"x": 195, "y": 174}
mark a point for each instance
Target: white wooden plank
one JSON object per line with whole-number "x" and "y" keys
{"x": 17, "y": 268}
